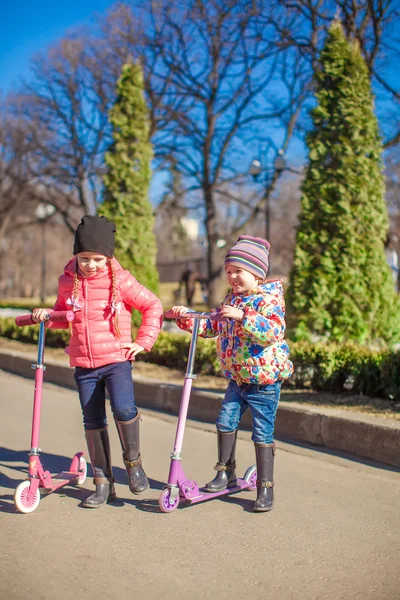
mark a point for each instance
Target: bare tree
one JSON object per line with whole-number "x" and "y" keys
{"x": 216, "y": 68}
{"x": 14, "y": 179}
{"x": 20, "y": 245}
{"x": 223, "y": 78}
{"x": 64, "y": 109}
{"x": 211, "y": 71}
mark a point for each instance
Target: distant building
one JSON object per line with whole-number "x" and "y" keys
{"x": 191, "y": 226}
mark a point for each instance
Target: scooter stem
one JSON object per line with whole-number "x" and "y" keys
{"x": 37, "y": 398}
{"x": 187, "y": 387}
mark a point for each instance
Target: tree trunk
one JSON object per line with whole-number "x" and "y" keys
{"x": 217, "y": 285}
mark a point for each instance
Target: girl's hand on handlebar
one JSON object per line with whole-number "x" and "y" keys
{"x": 179, "y": 311}
{"x": 40, "y": 314}
{"x": 231, "y": 312}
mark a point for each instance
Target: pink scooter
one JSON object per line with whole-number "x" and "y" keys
{"x": 179, "y": 487}
{"x": 27, "y": 493}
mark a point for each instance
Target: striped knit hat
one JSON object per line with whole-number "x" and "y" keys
{"x": 250, "y": 253}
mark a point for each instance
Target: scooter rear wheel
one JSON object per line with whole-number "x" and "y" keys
{"x": 165, "y": 503}
{"x": 83, "y": 471}
{"x": 251, "y": 477}
{"x": 24, "y": 501}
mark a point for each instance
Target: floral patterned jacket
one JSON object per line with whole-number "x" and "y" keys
{"x": 253, "y": 351}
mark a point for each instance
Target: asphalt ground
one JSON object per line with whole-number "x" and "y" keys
{"x": 334, "y": 532}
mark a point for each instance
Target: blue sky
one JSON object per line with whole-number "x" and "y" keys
{"x": 27, "y": 27}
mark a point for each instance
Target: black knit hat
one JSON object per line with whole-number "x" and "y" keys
{"x": 95, "y": 234}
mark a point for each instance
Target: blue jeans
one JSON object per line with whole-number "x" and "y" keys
{"x": 263, "y": 402}
{"x": 92, "y": 385}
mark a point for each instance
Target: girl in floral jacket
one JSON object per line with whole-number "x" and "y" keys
{"x": 102, "y": 295}
{"x": 254, "y": 358}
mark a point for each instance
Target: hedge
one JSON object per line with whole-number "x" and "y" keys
{"x": 336, "y": 368}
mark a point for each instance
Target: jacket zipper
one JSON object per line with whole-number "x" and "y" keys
{"x": 230, "y": 330}
{"x": 86, "y": 302}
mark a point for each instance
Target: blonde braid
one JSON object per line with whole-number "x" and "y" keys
{"x": 75, "y": 292}
{"x": 114, "y": 299}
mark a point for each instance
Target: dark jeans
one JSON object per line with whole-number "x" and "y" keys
{"x": 92, "y": 385}
{"x": 263, "y": 403}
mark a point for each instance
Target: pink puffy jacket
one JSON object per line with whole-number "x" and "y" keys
{"x": 93, "y": 342}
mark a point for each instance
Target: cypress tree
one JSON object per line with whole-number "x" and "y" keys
{"x": 341, "y": 285}
{"x": 127, "y": 181}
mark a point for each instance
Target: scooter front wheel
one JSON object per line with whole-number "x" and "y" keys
{"x": 82, "y": 470}
{"x": 165, "y": 503}
{"x": 24, "y": 500}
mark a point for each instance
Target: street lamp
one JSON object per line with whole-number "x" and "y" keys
{"x": 43, "y": 212}
{"x": 255, "y": 171}
{"x": 255, "y": 168}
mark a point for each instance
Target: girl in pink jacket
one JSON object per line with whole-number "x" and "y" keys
{"x": 102, "y": 295}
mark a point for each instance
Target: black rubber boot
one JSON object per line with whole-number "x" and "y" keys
{"x": 100, "y": 456}
{"x": 226, "y": 465}
{"x": 128, "y": 432}
{"x": 265, "y": 454}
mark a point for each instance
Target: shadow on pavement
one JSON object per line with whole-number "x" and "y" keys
{"x": 144, "y": 504}
{"x": 151, "y": 505}
{"x": 245, "y": 503}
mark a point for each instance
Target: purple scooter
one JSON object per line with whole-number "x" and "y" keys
{"x": 179, "y": 487}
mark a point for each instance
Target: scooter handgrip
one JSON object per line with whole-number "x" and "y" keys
{"x": 59, "y": 316}
{"x": 24, "y": 320}
{"x": 62, "y": 316}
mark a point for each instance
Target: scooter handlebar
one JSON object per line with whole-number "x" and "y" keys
{"x": 192, "y": 314}
{"x": 56, "y": 316}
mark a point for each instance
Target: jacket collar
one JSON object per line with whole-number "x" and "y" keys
{"x": 264, "y": 288}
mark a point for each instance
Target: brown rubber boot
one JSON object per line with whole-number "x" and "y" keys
{"x": 265, "y": 454}
{"x": 226, "y": 465}
{"x": 128, "y": 432}
{"x": 100, "y": 456}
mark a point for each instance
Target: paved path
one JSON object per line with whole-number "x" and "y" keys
{"x": 334, "y": 534}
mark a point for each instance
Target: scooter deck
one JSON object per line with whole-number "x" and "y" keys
{"x": 61, "y": 479}
{"x": 241, "y": 485}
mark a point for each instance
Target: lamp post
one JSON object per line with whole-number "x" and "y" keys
{"x": 43, "y": 212}
{"x": 255, "y": 171}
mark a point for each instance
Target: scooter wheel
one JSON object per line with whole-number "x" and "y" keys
{"x": 165, "y": 503}
{"x": 251, "y": 477}
{"x": 24, "y": 501}
{"x": 82, "y": 470}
